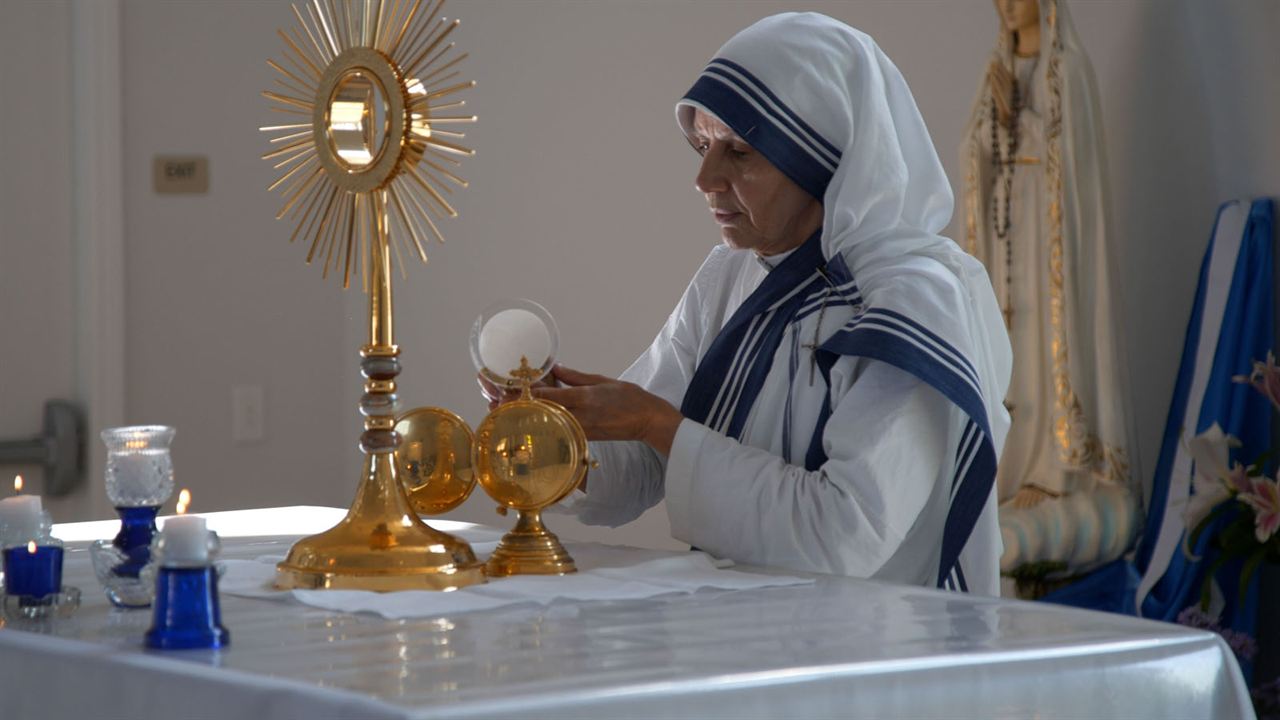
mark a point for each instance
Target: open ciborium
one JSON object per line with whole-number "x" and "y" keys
{"x": 366, "y": 157}
{"x": 529, "y": 453}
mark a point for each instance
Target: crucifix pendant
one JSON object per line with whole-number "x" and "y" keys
{"x": 813, "y": 360}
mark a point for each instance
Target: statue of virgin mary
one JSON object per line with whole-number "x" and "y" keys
{"x": 1035, "y": 202}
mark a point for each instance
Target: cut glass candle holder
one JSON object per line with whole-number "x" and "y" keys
{"x": 139, "y": 479}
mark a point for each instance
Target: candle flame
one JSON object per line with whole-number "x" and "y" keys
{"x": 184, "y": 501}
{"x": 31, "y": 547}
{"x": 17, "y": 484}
{"x": 135, "y": 444}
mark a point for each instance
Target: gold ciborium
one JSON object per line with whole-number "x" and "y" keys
{"x": 364, "y": 160}
{"x": 529, "y": 453}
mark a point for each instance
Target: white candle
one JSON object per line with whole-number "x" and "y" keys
{"x": 186, "y": 541}
{"x": 135, "y": 473}
{"x": 20, "y": 518}
{"x": 511, "y": 334}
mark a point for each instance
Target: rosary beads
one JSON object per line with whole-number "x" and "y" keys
{"x": 1003, "y": 159}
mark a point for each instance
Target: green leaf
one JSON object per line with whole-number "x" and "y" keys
{"x": 1239, "y": 537}
{"x": 1207, "y": 585}
{"x": 1256, "y": 468}
{"x": 1214, "y": 514}
{"x": 1246, "y": 572}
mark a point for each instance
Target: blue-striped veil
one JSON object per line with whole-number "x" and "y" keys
{"x": 824, "y": 104}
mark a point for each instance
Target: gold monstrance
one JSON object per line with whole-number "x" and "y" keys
{"x": 367, "y": 164}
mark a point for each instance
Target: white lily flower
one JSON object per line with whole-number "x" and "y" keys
{"x": 1210, "y": 451}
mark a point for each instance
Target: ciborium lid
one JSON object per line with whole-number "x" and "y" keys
{"x": 434, "y": 459}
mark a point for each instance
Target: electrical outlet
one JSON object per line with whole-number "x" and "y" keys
{"x": 248, "y": 413}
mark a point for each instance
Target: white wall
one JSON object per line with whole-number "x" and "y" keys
{"x": 216, "y": 297}
{"x": 582, "y": 199}
{"x": 37, "y": 244}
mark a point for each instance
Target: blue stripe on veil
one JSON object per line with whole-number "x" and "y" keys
{"x": 766, "y": 132}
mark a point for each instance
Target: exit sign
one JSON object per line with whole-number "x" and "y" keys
{"x": 180, "y": 173}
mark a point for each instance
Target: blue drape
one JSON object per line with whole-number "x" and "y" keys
{"x": 1243, "y": 332}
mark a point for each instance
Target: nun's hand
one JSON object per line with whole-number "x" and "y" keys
{"x": 610, "y": 409}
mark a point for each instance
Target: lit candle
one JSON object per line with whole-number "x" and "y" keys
{"x": 186, "y": 606}
{"x": 17, "y": 484}
{"x": 186, "y": 537}
{"x": 135, "y": 474}
{"x": 20, "y": 518}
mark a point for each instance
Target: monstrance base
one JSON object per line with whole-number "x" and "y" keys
{"x": 530, "y": 549}
{"x": 380, "y": 545}
{"x": 343, "y": 558}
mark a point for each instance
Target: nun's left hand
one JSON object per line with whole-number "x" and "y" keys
{"x": 610, "y": 409}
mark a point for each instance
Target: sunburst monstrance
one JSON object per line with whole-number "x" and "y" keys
{"x": 373, "y": 78}
{"x": 363, "y": 177}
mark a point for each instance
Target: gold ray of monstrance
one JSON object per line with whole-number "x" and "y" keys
{"x": 366, "y": 167}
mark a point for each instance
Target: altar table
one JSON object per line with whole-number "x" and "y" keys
{"x": 838, "y": 648}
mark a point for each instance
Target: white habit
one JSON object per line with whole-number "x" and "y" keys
{"x": 843, "y": 404}
{"x": 875, "y": 509}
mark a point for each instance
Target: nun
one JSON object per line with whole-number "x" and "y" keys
{"x": 827, "y": 394}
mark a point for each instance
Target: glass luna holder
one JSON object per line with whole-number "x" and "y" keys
{"x": 139, "y": 479}
{"x": 32, "y": 561}
{"x": 184, "y": 573}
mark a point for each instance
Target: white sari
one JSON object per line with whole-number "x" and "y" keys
{"x": 843, "y": 407}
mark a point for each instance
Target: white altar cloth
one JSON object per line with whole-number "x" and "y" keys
{"x": 837, "y": 648}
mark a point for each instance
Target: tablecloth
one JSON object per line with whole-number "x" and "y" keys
{"x": 840, "y": 647}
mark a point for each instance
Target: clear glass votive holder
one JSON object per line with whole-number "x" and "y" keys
{"x": 139, "y": 480}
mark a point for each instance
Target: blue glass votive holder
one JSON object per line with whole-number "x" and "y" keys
{"x": 33, "y": 581}
{"x": 118, "y": 563}
{"x": 137, "y": 528}
{"x": 187, "y": 615}
{"x": 33, "y": 573}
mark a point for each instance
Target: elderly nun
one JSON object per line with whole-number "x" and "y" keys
{"x": 827, "y": 395}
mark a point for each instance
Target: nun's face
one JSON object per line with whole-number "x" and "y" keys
{"x": 756, "y": 206}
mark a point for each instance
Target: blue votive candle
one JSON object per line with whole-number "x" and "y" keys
{"x": 32, "y": 571}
